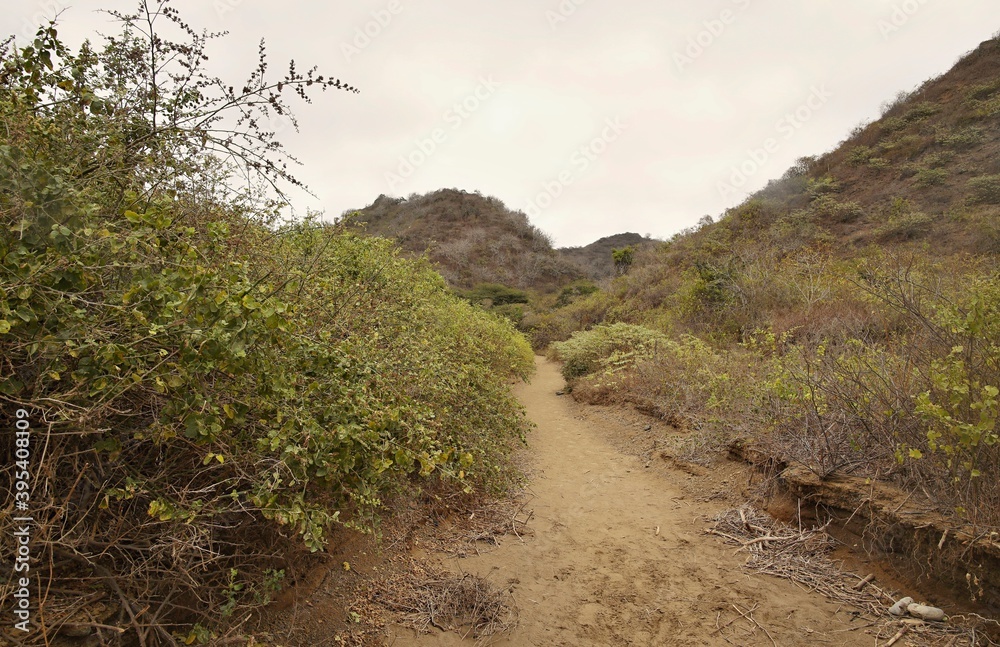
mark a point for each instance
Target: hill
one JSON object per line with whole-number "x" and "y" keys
{"x": 843, "y": 322}
{"x": 595, "y": 259}
{"x": 922, "y": 180}
{"x": 470, "y": 238}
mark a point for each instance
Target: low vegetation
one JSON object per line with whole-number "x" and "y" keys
{"x": 210, "y": 389}
{"x": 844, "y": 318}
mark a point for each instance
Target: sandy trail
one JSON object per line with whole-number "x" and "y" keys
{"x": 595, "y": 572}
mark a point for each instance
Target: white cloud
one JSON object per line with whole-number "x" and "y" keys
{"x": 686, "y": 129}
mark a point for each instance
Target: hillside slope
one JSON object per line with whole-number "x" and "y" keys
{"x": 471, "y": 239}
{"x": 845, "y": 320}
{"x": 922, "y": 180}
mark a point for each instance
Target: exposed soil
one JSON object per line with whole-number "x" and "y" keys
{"x": 619, "y": 555}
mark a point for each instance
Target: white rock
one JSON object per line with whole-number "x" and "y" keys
{"x": 899, "y": 609}
{"x": 925, "y": 612}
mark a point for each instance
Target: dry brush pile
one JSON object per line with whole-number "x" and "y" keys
{"x": 802, "y": 555}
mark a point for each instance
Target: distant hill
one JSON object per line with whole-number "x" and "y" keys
{"x": 595, "y": 259}
{"x": 928, "y": 170}
{"x": 476, "y": 239}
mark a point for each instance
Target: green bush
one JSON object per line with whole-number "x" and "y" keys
{"x": 575, "y": 290}
{"x": 605, "y": 347}
{"x": 926, "y": 177}
{"x": 906, "y": 227}
{"x": 921, "y": 111}
{"x": 200, "y": 376}
{"x": 860, "y": 155}
{"x": 815, "y": 188}
{"x": 962, "y": 138}
{"x": 984, "y": 99}
{"x": 984, "y": 189}
{"x": 494, "y": 294}
{"x": 828, "y": 208}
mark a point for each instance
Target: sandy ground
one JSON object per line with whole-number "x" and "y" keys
{"x": 619, "y": 556}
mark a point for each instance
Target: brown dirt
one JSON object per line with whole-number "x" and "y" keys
{"x": 618, "y": 553}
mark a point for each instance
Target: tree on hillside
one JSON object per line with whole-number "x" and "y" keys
{"x": 623, "y": 259}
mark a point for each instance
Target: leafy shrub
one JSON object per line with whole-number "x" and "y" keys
{"x": 605, "y": 347}
{"x": 494, "y": 294}
{"x": 962, "y": 138}
{"x": 623, "y": 259}
{"x": 574, "y": 291}
{"x": 208, "y": 383}
{"x": 926, "y": 177}
{"x": 984, "y": 100}
{"x": 982, "y": 91}
{"x": 892, "y": 124}
{"x": 828, "y": 208}
{"x": 985, "y": 189}
{"x": 799, "y": 228}
{"x": 707, "y": 288}
{"x": 879, "y": 163}
{"x": 822, "y": 186}
{"x": 906, "y": 227}
{"x": 860, "y": 155}
{"x": 987, "y": 109}
{"x": 921, "y": 111}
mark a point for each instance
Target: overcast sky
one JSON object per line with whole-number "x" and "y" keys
{"x": 594, "y": 117}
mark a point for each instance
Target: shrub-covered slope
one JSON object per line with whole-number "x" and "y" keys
{"x": 471, "y": 239}
{"x": 206, "y": 390}
{"x": 843, "y": 318}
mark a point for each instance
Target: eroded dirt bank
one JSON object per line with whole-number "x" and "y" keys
{"x": 618, "y": 555}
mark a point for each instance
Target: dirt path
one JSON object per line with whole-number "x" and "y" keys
{"x": 596, "y": 572}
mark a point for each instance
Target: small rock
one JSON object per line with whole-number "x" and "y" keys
{"x": 560, "y": 392}
{"x": 924, "y": 612}
{"x": 647, "y": 427}
{"x": 899, "y": 609}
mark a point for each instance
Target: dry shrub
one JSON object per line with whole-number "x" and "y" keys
{"x": 429, "y": 596}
